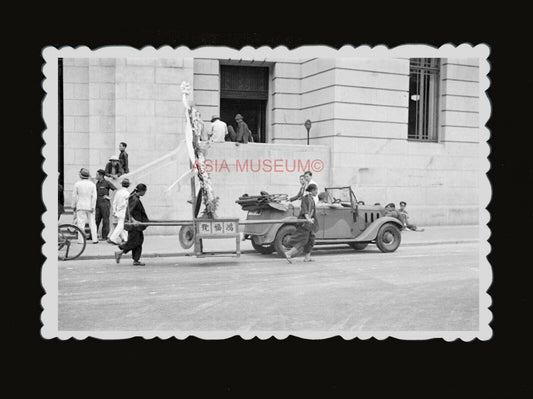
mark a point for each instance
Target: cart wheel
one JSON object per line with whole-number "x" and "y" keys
{"x": 71, "y": 242}
{"x": 262, "y": 249}
{"x": 281, "y": 243}
{"x": 358, "y": 246}
{"x": 388, "y": 238}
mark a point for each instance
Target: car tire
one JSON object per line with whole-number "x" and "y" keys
{"x": 358, "y": 246}
{"x": 388, "y": 238}
{"x": 281, "y": 237}
{"x": 262, "y": 249}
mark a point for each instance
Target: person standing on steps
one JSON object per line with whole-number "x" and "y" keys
{"x": 123, "y": 158}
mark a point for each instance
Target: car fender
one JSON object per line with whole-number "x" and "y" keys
{"x": 268, "y": 234}
{"x": 371, "y": 232}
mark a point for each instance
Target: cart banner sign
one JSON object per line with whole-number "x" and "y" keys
{"x": 217, "y": 227}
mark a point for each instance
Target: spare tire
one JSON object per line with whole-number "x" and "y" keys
{"x": 186, "y": 236}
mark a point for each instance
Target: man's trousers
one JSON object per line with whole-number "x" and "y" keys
{"x": 134, "y": 244}
{"x": 103, "y": 210}
{"x": 83, "y": 217}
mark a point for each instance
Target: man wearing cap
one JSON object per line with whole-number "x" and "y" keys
{"x": 103, "y": 202}
{"x": 243, "y": 133}
{"x": 219, "y": 130}
{"x": 84, "y": 204}
{"x": 113, "y": 168}
{"x": 120, "y": 202}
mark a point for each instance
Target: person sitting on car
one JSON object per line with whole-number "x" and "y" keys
{"x": 390, "y": 210}
{"x": 322, "y": 198}
{"x": 404, "y": 218}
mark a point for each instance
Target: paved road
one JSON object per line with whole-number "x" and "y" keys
{"x": 424, "y": 288}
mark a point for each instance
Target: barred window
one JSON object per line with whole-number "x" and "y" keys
{"x": 423, "y": 99}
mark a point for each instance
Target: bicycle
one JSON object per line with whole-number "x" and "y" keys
{"x": 71, "y": 242}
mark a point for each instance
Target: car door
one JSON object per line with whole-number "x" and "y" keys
{"x": 336, "y": 221}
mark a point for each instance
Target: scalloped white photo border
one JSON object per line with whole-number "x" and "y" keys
{"x": 49, "y": 272}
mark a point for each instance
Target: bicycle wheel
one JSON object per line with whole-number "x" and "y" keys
{"x": 71, "y": 242}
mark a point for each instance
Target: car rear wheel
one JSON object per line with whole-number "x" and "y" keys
{"x": 262, "y": 249}
{"x": 388, "y": 238}
{"x": 358, "y": 245}
{"x": 281, "y": 243}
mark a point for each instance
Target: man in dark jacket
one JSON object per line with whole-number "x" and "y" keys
{"x": 243, "y": 132}
{"x": 135, "y": 214}
{"x": 103, "y": 203}
{"x": 123, "y": 157}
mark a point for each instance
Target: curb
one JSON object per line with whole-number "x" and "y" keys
{"x": 251, "y": 251}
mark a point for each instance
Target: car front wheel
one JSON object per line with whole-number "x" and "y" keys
{"x": 388, "y": 238}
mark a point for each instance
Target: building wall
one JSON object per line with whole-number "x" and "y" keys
{"x": 358, "y": 109}
{"x": 439, "y": 181}
{"x": 206, "y": 85}
{"x": 138, "y": 101}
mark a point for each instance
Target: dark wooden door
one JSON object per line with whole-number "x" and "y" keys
{"x": 244, "y": 90}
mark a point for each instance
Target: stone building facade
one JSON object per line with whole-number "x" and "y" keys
{"x": 363, "y": 127}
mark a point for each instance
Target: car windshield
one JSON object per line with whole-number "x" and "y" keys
{"x": 339, "y": 194}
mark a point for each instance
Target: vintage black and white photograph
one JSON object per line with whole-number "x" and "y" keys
{"x": 313, "y": 192}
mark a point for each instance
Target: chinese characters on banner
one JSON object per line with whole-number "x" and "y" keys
{"x": 217, "y": 227}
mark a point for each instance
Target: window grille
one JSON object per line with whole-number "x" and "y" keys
{"x": 424, "y": 78}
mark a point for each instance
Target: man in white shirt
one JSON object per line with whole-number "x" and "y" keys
{"x": 309, "y": 178}
{"x": 120, "y": 202}
{"x": 219, "y": 130}
{"x": 84, "y": 204}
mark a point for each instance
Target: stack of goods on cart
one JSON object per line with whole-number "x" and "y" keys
{"x": 263, "y": 201}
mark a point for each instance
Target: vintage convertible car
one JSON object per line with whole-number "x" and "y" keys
{"x": 342, "y": 220}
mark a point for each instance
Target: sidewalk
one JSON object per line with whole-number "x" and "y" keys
{"x": 166, "y": 246}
